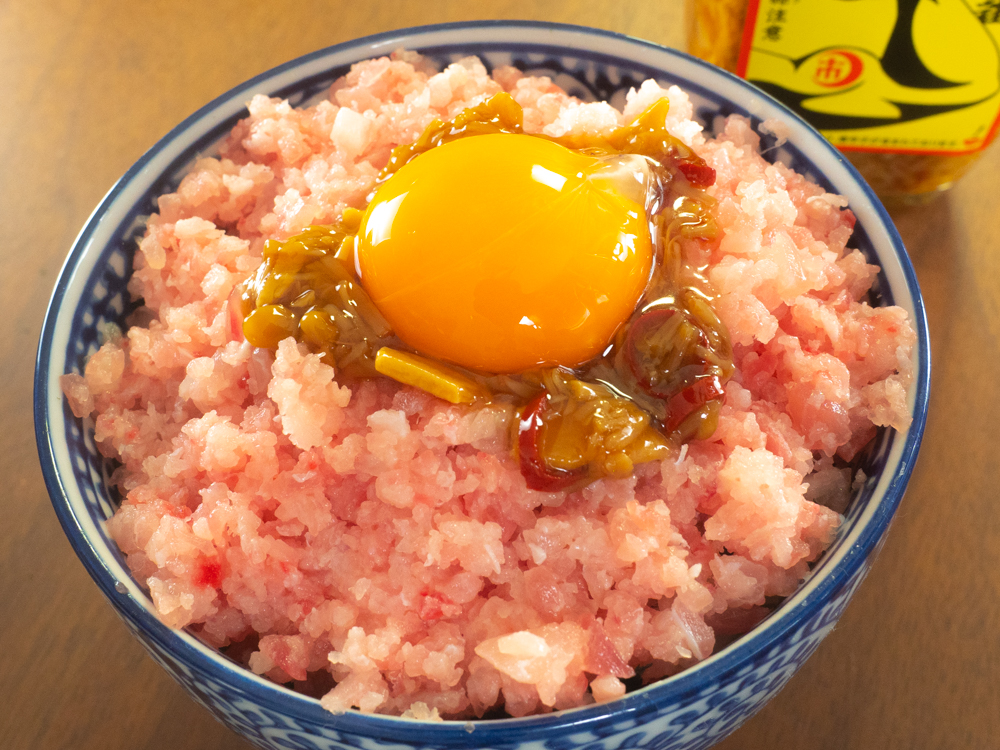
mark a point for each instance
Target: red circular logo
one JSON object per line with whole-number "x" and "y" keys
{"x": 836, "y": 68}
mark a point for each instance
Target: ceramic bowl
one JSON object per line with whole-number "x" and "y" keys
{"x": 691, "y": 710}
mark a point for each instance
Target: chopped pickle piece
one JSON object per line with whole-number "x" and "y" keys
{"x": 575, "y": 432}
{"x": 428, "y": 375}
{"x": 318, "y": 328}
{"x": 305, "y": 288}
{"x": 692, "y": 218}
{"x": 267, "y": 325}
{"x": 698, "y": 424}
{"x": 672, "y": 348}
{"x": 499, "y": 114}
{"x": 350, "y": 220}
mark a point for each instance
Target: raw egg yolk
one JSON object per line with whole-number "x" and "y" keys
{"x": 503, "y": 253}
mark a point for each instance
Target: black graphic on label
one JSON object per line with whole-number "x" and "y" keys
{"x": 928, "y": 58}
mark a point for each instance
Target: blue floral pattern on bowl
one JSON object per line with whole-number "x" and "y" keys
{"x": 690, "y": 711}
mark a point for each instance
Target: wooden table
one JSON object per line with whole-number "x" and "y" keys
{"x": 87, "y": 86}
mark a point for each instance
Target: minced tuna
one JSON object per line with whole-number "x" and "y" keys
{"x": 378, "y": 547}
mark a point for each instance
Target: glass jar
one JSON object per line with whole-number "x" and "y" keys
{"x": 909, "y": 90}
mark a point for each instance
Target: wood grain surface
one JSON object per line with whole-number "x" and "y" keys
{"x": 86, "y": 87}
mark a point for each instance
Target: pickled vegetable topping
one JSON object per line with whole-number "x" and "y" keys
{"x": 304, "y": 288}
{"x": 681, "y": 354}
{"x": 656, "y": 384}
{"x": 574, "y": 432}
{"x": 499, "y": 114}
{"x": 428, "y": 375}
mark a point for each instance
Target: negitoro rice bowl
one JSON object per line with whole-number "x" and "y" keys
{"x": 379, "y": 548}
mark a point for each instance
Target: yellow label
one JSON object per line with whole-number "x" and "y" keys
{"x": 915, "y": 76}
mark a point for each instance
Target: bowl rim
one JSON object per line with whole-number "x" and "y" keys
{"x": 868, "y": 529}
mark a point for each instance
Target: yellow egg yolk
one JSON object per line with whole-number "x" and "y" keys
{"x": 502, "y": 253}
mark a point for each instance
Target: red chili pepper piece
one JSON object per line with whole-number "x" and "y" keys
{"x": 698, "y": 173}
{"x": 537, "y": 474}
{"x": 703, "y": 390}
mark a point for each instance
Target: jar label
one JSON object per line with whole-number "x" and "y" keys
{"x": 910, "y": 76}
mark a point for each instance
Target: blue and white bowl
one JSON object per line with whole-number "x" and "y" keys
{"x": 692, "y": 710}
